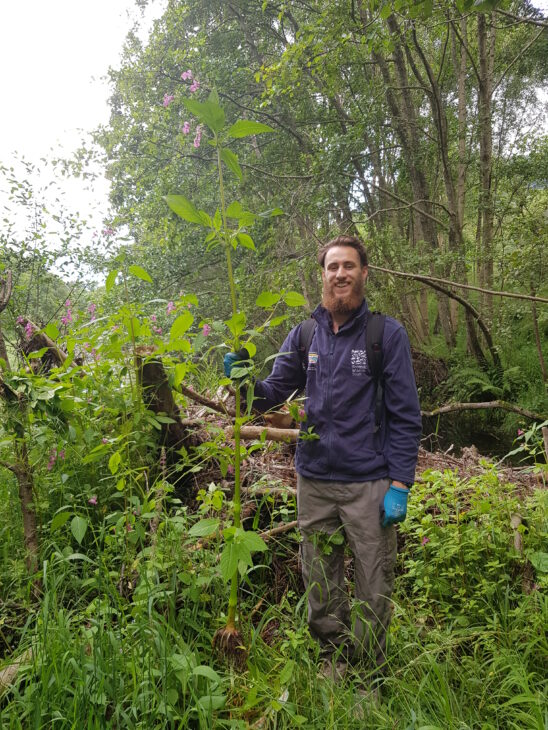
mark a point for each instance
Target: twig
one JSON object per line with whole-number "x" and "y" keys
{"x": 451, "y": 407}
{"x": 218, "y": 407}
{"x": 278, "y": 530}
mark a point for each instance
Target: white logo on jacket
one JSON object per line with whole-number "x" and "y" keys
{"x": 359, "y": 362}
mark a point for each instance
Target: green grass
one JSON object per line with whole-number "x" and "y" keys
{"x": 131, "y": 646}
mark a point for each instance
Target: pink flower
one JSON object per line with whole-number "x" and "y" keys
{"x": 52, "y": 459}
{"x": 158, "y": 330}
{"x": 61, "y": 454}
{"x": 108, "y": 231}
{"x": 194, "y": 86}
{"x": 206, "y": 329}
{"x": 92, "y": 309}
{"x": 168, "y": 98}
{"x": 86, "y": 345}
{"x": 29, "y": 329}
{"x": 153, "y": 318}
{"x": 20, "y": 320}
{"x": 94, "y": 354}
{"x": 230, "y": 469}
{"x": 185, "y": 129}
{"x": 104, "y": 440}
{"x": 67, "y": 304}
{"x": 425, "y": 540}
{"x": 302, "y": 413}
{"x": 186, "y": 75}
{"x": 520, "y": 432}
{"x": 198, "y": 137}
{"x": 170, "y": 307}
{"x": 93, "y": 500}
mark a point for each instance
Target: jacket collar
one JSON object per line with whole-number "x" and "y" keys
{"x": 358, "y": 317}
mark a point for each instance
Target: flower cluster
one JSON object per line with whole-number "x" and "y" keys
{"x": 168, "y": 98}
{"x": 92, "y": 309}
{"x": 198, "y": 137}
{"x": 170, "y": 307}
{"x": 54, "y": 455}
{"x": 108, "y": 231}
{"x": 67, "y": 317}
{"x": 206, "y": 329}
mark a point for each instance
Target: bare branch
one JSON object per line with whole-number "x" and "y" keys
{"x": 487, "y": 405}
{"x": 426, "y": 279}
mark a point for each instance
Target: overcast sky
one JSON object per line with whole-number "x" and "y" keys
{"x": 53, "y": 55}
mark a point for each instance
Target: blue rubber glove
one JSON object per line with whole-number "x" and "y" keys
{"x": 394, "y": 507}
{"x": 234, "y": 358}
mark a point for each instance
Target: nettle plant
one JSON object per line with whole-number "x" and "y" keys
{"x": 228, "y": 228}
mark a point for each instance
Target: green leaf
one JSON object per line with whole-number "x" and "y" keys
{"x": 140, "y": 273}
{"x": 294, "y": 299}
{"x": 229, "y": 561}
{"x": 59, "y": 520}
{"x": 287, "y": 672}
{"x": 114, "y": 462}
{"x": 236, "y": 323}
{"x": 78, "y": 527}
{"x": 181, "y": 325}
{"x": 204, "y": 528}
{"x": 246, "y": 241}
{"x": 204, "y": 671}
{"x": 246, "y": 128}
{"x": 250, "y": 347}
{"x": 235, "y": 210}
{"x": 111, "y": 279}
{"x": 386, "y": 11}
{"x": 231, "y": 161}
{"x": 209, "y": 112}
{"x": 184, "y": 209}
{"x": 539, "y": 559}
{"x": 267, "y": 299}
{"x": 51, "y": 331}
{"x": 179, "y": 375}
{"x": 212, "y": 702}
{"x": 253, "y": 542}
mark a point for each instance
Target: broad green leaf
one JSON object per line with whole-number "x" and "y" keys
{"x": 246, "y": 241}
{"x": 111, "y": 279}
{"x": 250, "y": 347}
{"x": 59, "y": 520}
{"x": 181, "y": 325}
{"x": 208, "y": 112}
{"x": 179, "y": 374}
{"x": 267, "y": 299}
{"x": 51, "y": 331}
{"x": 294, "y": 299}
{"x": 236, "y": 323}
{"x": 184, "y": 209}
{"x": 277, "y": 321}
{"x": 204, "y": 528}
{"x": 253, "y": 542}
{"x": 235, "y": 210}
{"x": 231, "y": 161}
{"x": 229, "y": 561}
{"x": 78, "y": 527}
{"x": 212, "y": 702}
{"x": 539, "y": 559}
{"x": 204, "y": 671}
{"x": 140, "y": 273}
{"x": 114, "y": 462}
{"x": 246, "y": 128}
{"x": 287, "y": 672}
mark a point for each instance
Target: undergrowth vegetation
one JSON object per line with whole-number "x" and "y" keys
{"x": 123, "y": 633}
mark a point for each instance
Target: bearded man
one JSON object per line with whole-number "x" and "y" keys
{"x": 354, "y": 475}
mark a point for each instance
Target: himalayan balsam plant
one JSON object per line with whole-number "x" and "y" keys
{"x": 228, "y": 228}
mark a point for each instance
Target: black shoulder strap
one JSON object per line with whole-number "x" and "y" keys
{"x": 374, "y": 332}
{"x": 305, "y": 338}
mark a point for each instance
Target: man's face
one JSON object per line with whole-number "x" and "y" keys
{"x": 343, "y": 279}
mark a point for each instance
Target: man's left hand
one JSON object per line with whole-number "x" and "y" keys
{"x": 395, "y": 505}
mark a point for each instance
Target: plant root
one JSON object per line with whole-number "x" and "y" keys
{"x": 229, "y": 645}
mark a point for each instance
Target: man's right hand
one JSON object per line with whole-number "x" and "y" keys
{"x": 232, "y": 359}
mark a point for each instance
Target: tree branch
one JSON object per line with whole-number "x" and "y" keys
{"x": 487, "y": 405}
{"x": 426, "y": 279}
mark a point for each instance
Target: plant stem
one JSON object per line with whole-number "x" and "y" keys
{"x": 234, "y": 581}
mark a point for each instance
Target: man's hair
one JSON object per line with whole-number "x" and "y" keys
{"x": 350, "y": 241}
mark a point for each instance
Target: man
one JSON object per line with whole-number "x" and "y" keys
{"x": 353, "y": 478}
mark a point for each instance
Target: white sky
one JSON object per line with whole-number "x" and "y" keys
{"x": 53, "y": 55}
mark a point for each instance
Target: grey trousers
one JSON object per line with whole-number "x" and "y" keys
{"x": 330, "y": 514}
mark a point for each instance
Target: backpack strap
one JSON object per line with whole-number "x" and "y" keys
{"x": 306, "y": 334}
{"x": 374, "y": 332}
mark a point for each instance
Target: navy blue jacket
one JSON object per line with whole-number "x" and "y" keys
{"x": 340, "y": 402}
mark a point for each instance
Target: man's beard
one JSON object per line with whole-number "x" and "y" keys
{"x": 342, "y": 305}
